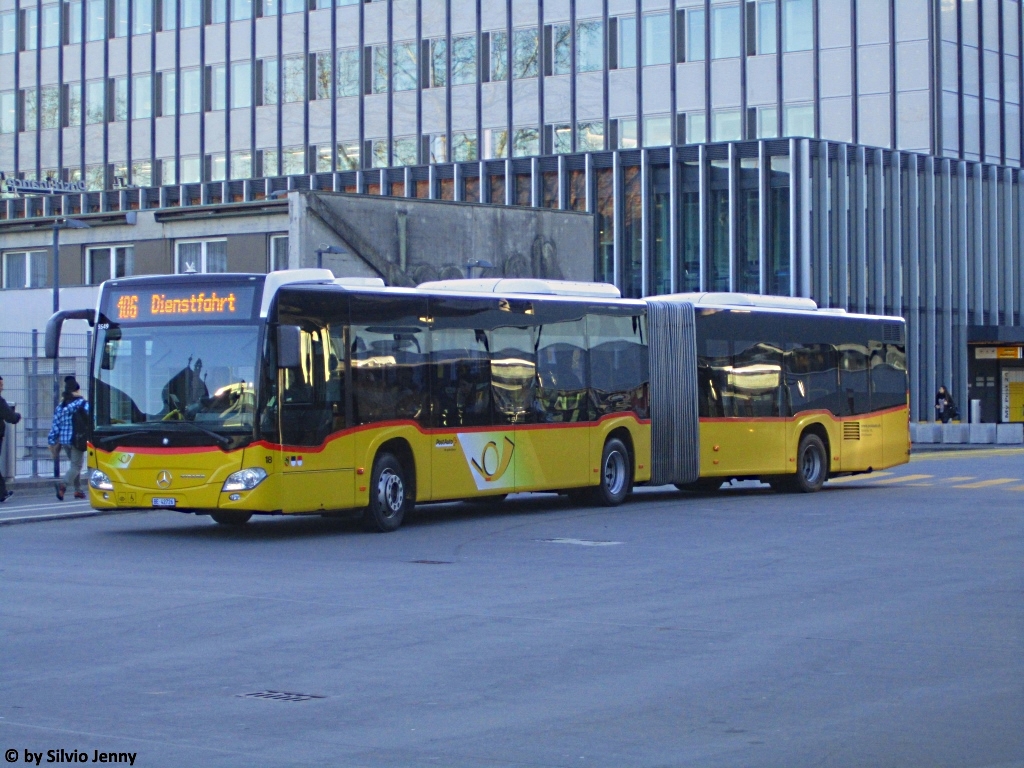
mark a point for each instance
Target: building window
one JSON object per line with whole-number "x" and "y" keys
{"x": 767, "y": 122}
{"x": 525, "y": 142}
{"x": 379, "y": 73}
{"x": 95, "y": 102}
{"x": 405, "y": 151}
{"x": 170, "y": 15}
{"x": 8, "y": 32}
{"x": 191, "y": 91}
{"x": 348, "y": 156}
{"x": 201, "y": 256}
{"x": 797, "y": 33}
{"x": 168, "y": 93}
{"x": 404, "y": 66}
{"x": 696, "y": 127}
{"x": 348, "y": 72}
{"x": 51, "y": 25}
{"x": 277, "y": 256}
{"x": 8, "y": 112}
{"x": 464, "y": 60}
{"x": 241, "y": 164}
{"x": 798, "y": 120}
{"x": 218, "y": 76}
{"x": 589, "y": 46}
{"x": 241, "y": 9}
{"x": 627, "y": 134}
{"x": 561, "y": 139}
{"x": 626, "y": 44}
{"x": 657, "y": 131}
{"x": 438, "y": 148}
{"x": 29, "y": 109}
{"x": 120, "y": 92}
{"x": 218, "y": 11}
{"x": 142, "y": 103}
{"x": 120, "y": 18}
{"x": 322, "y": 75}
{"x": 763, "y": 20}
{"x": 561, "y": 55}
{"x": 464, "y": 147}
{"x": 498, "y": 69}
{"x": 168, "y": 170}
{"x": 590, "y": 136}
{"x": 142, "y": 173}
{"x": 25, "y": 269}
{"x": 725, "y": 32}
{"x": 96, "y": 20}
{"x": 29, "y": 29}
{"x": 267, "y": 88}
{"x": 495, "y": 143}
{"x": 695, "y": 35}
{"x": 293, "y": 72}
{"x": 49, "y": 107}
{"x": 525, "y": 53}
{"x": 726, "y": 125}
{"x": 190, "y": 170}
{"x": 293, "y": 161}
{"x": 191, "y": 13}
{"x": 108, "y": 263}
{"x": 656, "y": 39}
{"x": 142, "y": 20}
{"x": 241, "y": 85}
{"x": 216, "y": 166}
{"x": 438, "y": 63}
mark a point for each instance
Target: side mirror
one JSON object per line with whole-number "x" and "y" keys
{"x": 289, "y": 346}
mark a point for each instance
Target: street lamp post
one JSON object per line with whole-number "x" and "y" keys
{"x": 58, "y": 224}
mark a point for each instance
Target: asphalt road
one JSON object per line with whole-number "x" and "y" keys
{"x": 878, "y": 623}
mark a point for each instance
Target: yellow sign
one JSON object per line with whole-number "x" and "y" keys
{"x": 1008, "y": 353}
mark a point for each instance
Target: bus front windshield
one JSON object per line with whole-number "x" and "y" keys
{"x": 203, "y": 374}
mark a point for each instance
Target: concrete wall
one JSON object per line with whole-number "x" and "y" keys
{"x": 408, "y": 241}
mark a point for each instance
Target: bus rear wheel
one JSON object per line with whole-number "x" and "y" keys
{"x": 615, "y": 474}
{"x": 231, "y": 518}
{"x": 811, "y": 465}
{"x": 389, "y": 495}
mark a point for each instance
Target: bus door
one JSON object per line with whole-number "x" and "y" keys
{"x": 317, "y": 471}
{"x": 513, "y": 380}
{"x": 862, "y": 438}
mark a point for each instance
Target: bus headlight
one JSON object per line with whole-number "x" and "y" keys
{"x": 244, "y": 479}
{"x": 100, "y": 481}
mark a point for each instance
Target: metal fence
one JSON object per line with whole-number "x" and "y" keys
{"x": 32, "y": 384}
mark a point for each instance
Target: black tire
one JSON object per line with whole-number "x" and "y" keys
{"x": 389, "y": 495}
{"x": 616, "y": 474}
{"x": 703, "y": 485}
{"x": 231, "y": 518}
{"x": 811, "y": 465}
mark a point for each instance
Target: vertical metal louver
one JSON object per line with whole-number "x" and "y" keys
{"x": 675, "y": 426}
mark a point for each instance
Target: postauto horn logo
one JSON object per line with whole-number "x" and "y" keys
{"x": 489, "y": 455}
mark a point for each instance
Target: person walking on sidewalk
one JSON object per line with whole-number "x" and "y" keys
{"x": 7, "y": 416}
{"x": 71, "y": 409}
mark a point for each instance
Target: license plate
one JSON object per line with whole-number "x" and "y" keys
{"x": 159, "y": 502}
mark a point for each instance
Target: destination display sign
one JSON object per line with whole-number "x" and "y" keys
{"x": 180, "y": 305}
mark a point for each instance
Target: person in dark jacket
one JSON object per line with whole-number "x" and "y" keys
{"x": 62, "y": 433}
{"x": 7, "y": 416}
{"x": 944, "y": 406}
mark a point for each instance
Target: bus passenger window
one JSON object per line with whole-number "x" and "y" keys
{"x": 853, "y": 379}
{"x": 460, "y": 372}
{"x": 888, "y": 376}
{"x": 812, "y": 378}
{"x": 713, "y": 364}
{"x": 561, "y": 393}
{"x": 388, "y": 374}
{"x": 305, "y": 414}
{"x": 755, "y": 379}
{"x": 619, "y": 377}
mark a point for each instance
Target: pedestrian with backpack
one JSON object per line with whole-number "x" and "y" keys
{"x": 70, "y": 430}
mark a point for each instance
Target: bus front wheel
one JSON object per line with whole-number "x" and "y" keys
{"x": 231, "y": 518}
{"x": 615, "y": 474}
{"x": 389, "y": 495}
{"x": 811, "y": 465}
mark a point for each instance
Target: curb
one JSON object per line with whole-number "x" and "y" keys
{"x": 65, "y": 516}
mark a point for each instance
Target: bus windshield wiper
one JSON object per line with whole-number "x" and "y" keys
{"x": 222, "y": 440}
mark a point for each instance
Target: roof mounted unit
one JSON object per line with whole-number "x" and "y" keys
{"x": 720, "y": 299}
{"x": 359, "y": 282}
{"x": 281, "y": 277}
{"x": 524, "y": 285}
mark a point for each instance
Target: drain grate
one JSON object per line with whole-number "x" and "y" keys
{"x": 280, "y": 696}
{"x": 431, "y": 562}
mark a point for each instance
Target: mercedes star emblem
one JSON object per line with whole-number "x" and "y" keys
{"x": 164, "y": 479}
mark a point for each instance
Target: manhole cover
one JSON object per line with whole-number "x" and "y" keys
{"x": 280, "y": 696}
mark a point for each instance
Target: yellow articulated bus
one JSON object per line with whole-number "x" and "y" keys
{"x": 299, "y": 393}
